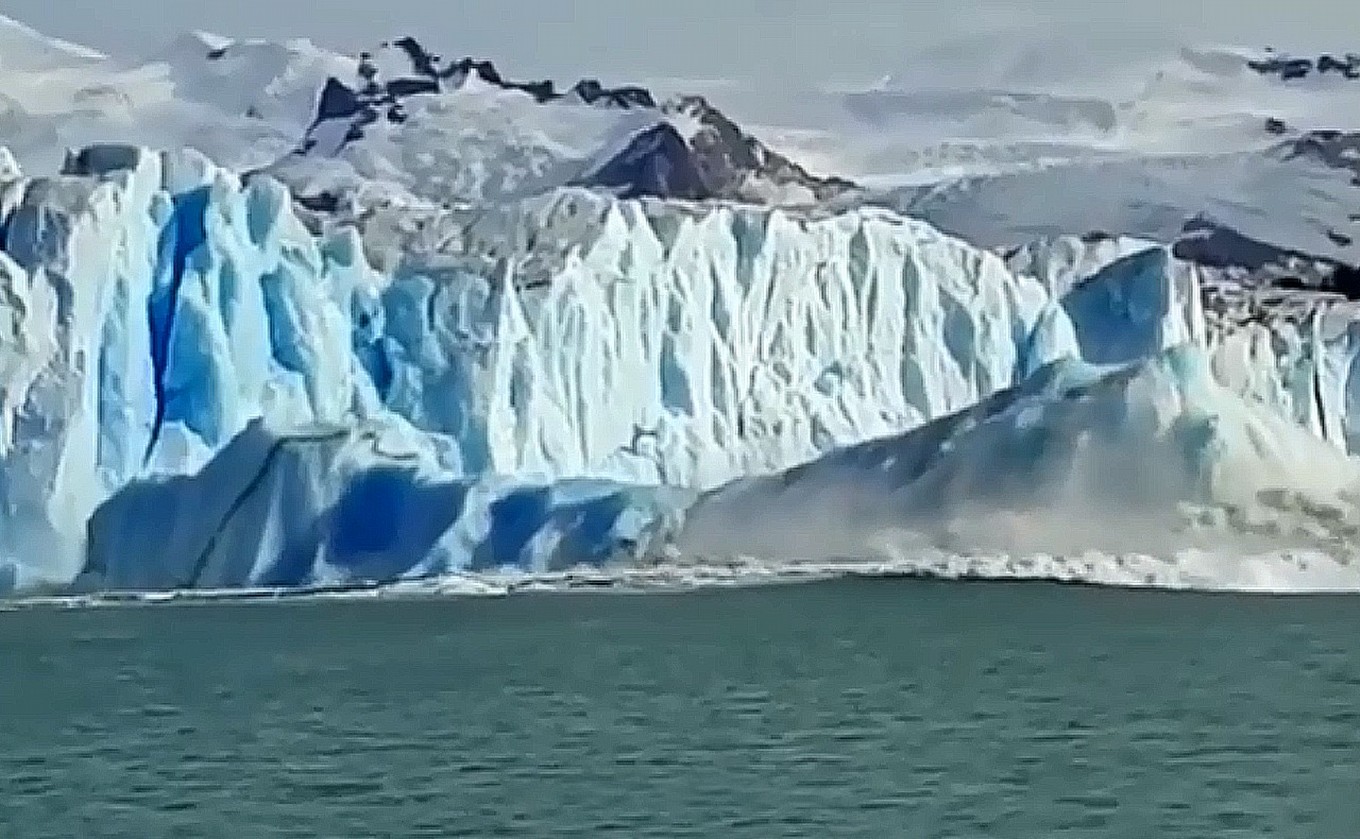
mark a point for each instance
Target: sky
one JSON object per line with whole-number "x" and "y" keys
{"x": 688, "y": 38}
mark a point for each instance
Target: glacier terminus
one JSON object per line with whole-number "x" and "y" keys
{"x": 404, "y": 319}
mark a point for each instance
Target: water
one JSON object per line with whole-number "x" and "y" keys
{"x": 857, "y": 708}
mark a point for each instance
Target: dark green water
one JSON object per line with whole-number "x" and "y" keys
{"x": 857, "y": 708}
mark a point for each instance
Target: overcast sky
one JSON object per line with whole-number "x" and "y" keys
{"x": 685, "y": 38}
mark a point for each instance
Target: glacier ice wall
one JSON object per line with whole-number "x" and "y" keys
{"x": 156, "y": 305}
{"x": 342, "y": 504}
{"x": 1299, "y": 353}
{"x": 195, "y": 385}
{"x": 658, "y": 343}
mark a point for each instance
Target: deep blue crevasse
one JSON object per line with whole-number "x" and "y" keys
{"x": 185, "y": 233}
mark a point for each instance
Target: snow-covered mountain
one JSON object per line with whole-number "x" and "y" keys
{"x": 276, "y": 83}
{"x": 1142, "y": 136}
{"x": 1139, "y": 136}
{"x": 406, "y": 317}
{"x": 25, "y": 50}
{"x": 444, "y": 131}
{"x": 460, "y": 131}
{"x": 55, "y": 96}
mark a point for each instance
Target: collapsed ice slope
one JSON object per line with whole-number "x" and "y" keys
{"x": 1151, "y": 458}
{"x": 157, "y": 305}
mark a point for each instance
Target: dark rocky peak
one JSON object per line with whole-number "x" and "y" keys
{"x": 430, "y": 66}
{"x": 717, "y": 160}
{"x": 728, "y": 156}
{"x": 588, "y": 91}
{"x": 1287, "y": 69}
{"x": 591, "y": 92}
{"x": 1337, "y": 149}
{"x": 337, "y": 101}
{"x": 375, "y": 96}
{"x": 423, "y": 62}
{"x": 656, "y": 163}
{"x": 1207, "y": 243}
{"x": 460, "y": 71}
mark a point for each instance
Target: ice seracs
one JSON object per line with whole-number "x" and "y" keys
{"x": 152, "y": 299}
{"x": 736, "y": 339}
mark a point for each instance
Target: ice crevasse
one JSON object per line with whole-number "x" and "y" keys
{"x": 170, "y": 330}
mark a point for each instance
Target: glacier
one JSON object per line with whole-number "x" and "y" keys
{"x": 375, "y": 344}
{"x": 158, "y": 305}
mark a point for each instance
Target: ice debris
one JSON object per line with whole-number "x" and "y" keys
{"x": 1152, "y": 458}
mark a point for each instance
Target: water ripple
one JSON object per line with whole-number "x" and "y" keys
{"x": 843, "y": 709}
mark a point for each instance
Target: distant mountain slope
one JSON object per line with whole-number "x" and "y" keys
{"x": 276, "y": 82}
{"x": 25, "y": 49}
{"x": 1244, "y": 158}
{"x": 394, "y": 122}
{"x": 244, "y": 108}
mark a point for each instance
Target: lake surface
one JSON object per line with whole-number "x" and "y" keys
{"x": 853, "y": 708}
